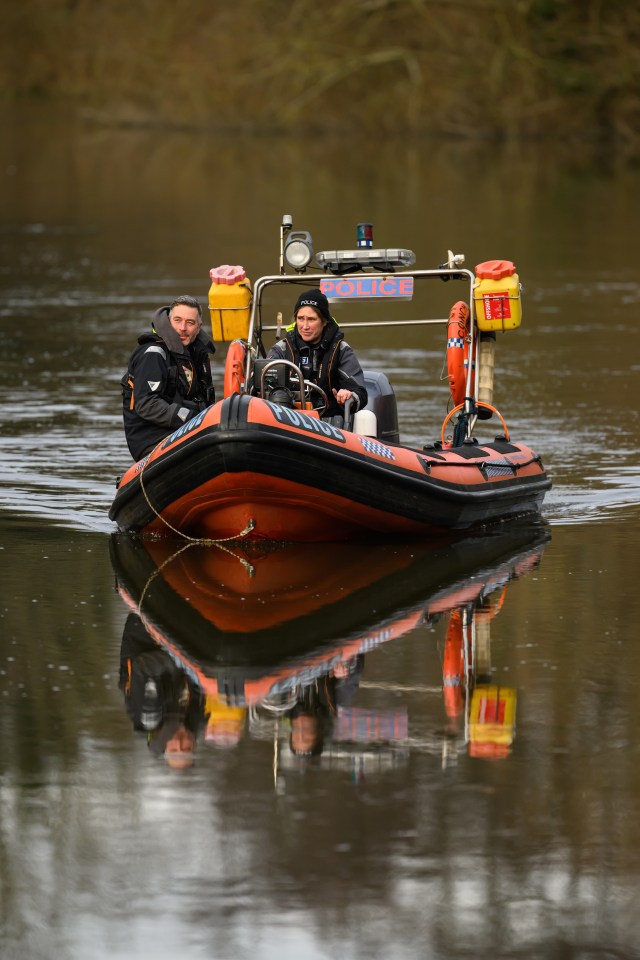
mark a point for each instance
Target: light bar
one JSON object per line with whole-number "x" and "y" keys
{"x": 352, "y": 261}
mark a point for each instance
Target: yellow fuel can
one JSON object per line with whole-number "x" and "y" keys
{"x": 229, "y": 302}
{"x": 496, "y": 296}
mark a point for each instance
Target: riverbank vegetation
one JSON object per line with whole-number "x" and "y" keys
{"x": 508, "y": 69}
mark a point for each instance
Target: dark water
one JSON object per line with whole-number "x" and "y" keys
{"x": 418, "y": 830}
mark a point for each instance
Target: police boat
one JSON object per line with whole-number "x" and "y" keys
{"x": 263, "y": 463}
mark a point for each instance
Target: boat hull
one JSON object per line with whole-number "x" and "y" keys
{"x": 238, "y": 616}
{"x": 246, "y": 467}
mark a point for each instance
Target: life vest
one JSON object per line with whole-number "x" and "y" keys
{"x": 319, "y": 363}
{"x": 188, "y": 378}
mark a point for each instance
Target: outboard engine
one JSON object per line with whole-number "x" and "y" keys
{"x": 382, "y": 403}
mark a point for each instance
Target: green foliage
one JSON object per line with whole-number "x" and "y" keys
{"x": 465, "y": 68}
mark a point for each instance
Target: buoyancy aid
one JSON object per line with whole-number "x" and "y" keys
{"x": 188, "y": 376}
{"x": 165, "y": 384}
{"x": 321, "y": 362}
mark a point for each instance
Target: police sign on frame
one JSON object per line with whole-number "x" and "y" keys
{"x": 367, "y": 288}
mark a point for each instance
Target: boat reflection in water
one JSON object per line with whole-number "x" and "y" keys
{"x": 269, "y": 642}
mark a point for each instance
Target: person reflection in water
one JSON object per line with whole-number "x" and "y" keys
{"x": 175, "y": 742}
{"x": 312, "y": 716}
{"x": 159, "y": 697}
{"x": 169, "y": 377}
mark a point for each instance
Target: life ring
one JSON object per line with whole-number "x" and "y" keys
{"x": 458, "y": 351}
{"x": 453, "y": 667}
{"x": 234, "y": 368}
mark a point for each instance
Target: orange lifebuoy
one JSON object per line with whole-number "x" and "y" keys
{"x": 453, "y": 667}
{"x": 458, "y": 351}
{"x": 234, "y": 368}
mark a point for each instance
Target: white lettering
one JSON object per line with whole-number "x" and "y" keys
{"x": 305, "y": 422}
{"x": 292, "y": 417}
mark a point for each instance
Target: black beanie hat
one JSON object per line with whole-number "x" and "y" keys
{"x": 317, "y": 300}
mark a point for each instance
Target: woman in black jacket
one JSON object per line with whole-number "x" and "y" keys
{"x": 317, "y": 346}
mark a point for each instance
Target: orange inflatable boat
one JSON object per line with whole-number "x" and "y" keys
{"x": 262, "y": 463}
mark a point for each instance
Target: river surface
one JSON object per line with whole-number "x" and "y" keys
{"x": 399, "y": 750}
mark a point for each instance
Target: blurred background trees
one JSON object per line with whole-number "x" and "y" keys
{"x": 507, "y": 69}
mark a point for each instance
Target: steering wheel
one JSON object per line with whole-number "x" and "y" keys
{"x": 309, "y": 387}
{"x": 296, "y": 379}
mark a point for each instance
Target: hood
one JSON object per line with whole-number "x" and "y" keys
{"x": 162, "y": 326}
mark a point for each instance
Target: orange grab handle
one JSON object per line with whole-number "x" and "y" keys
{"x": 479, "y": 403}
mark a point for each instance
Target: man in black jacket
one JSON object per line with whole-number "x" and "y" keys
{"x": 169, "y": 377}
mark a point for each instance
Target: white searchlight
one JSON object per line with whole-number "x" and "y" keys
{"x": 298, "y": 250}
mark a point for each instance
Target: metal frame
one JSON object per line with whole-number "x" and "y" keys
{"x": 256, "y": 327}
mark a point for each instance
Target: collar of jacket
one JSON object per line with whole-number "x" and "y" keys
{"x": 330, "y": 333}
